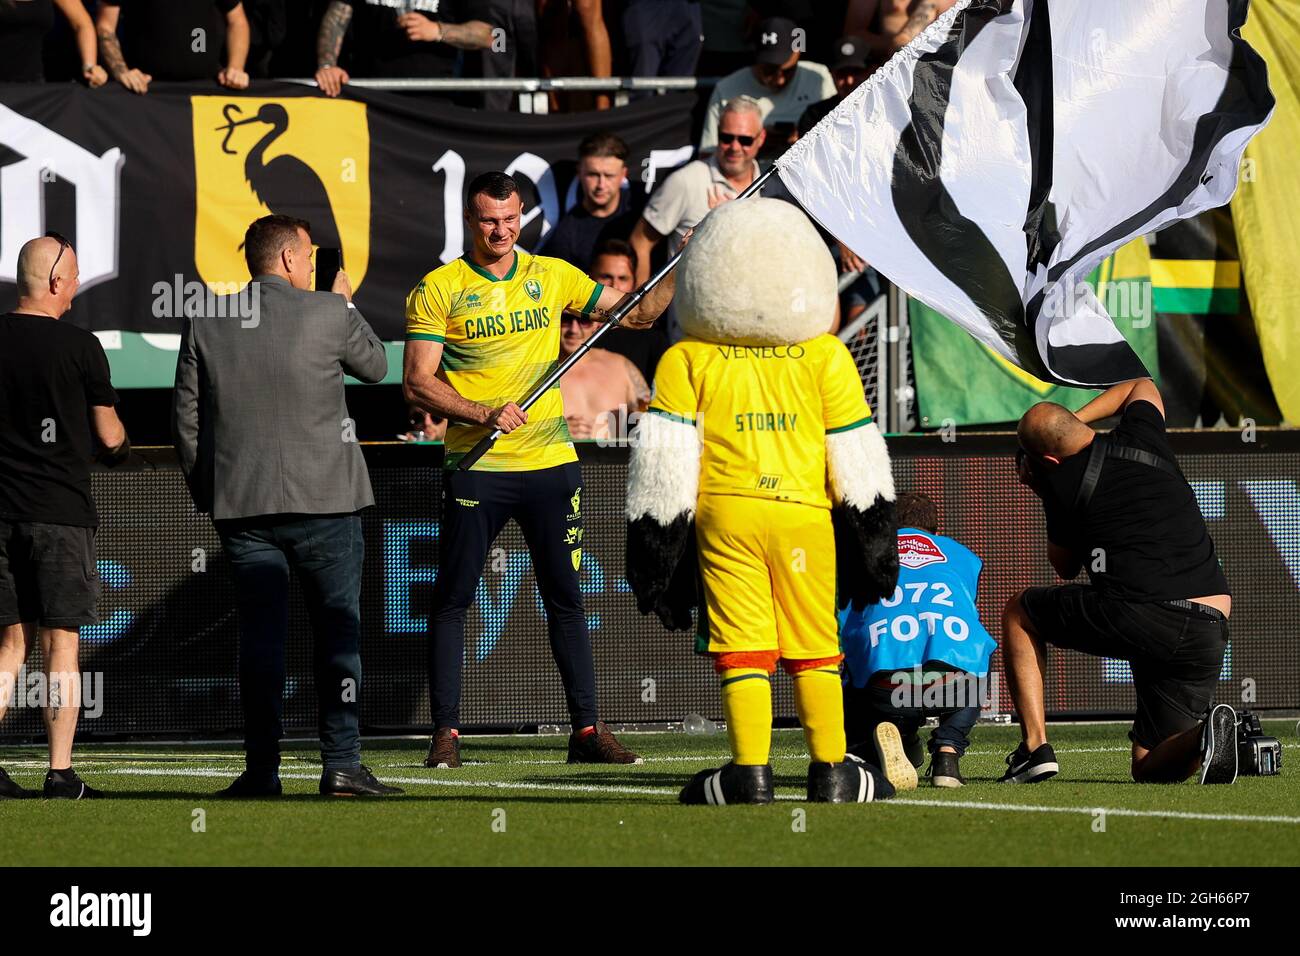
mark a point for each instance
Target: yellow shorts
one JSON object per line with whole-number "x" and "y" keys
{"x": 769, "y": 576}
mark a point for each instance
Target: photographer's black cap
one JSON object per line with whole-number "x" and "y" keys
{"x": 774, "y": 41}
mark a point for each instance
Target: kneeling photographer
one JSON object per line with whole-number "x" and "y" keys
{"x": 1118, "y": 504}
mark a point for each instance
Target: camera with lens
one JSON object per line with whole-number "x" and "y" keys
{"x": 1258, "y": 755}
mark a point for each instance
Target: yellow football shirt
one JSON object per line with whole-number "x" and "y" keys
{"x": 764, "y": 411}
{"x": 500, "y": 337}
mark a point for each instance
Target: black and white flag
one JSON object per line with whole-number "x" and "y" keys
{"x": 992, "y": 163}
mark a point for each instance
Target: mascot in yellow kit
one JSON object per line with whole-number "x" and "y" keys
{"x": 759, "y": 473}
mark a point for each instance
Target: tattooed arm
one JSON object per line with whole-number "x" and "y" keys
{"x": 921, "y": 15}
{"x": 329, "y": 44}
{"x": 470, "y": 35}
{"x": 110, "y": 51}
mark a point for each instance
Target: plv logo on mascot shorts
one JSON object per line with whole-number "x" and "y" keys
{"x": 304, "y": 157}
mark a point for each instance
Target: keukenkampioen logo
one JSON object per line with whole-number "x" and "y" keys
{"x": 918, "y": 550}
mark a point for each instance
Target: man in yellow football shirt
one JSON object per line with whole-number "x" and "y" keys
{"x": 482, "y": 331}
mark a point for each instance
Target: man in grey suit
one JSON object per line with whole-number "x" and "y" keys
{"x": 268, "y": 449}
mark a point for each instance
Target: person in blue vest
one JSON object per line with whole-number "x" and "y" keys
{"x": 921, "y": 652}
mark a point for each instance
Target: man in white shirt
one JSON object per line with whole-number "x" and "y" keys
{"x": 689, "y": 193}
{"x": 780, "y": 82}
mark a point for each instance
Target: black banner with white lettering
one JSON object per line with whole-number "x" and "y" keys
{"x": 156, "y": 191}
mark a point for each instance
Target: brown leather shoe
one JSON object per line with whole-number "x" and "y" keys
{"x": 599, "y": 747}
{"x": 444, "y": 750}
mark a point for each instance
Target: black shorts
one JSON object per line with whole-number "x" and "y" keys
{"x": 47, "y": 574}
{"x": 1176, "y": 653}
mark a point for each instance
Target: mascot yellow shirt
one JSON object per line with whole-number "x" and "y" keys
{"x": 500, "y": 337}
{"x": 765, "y": 410}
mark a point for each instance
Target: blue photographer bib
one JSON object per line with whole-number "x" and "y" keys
{"x": 931, "y": 616}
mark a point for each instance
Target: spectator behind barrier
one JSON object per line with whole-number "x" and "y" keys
{"x": 575, "y": 42}
{"x": 662, "y": 37}
{"x": 780, "y": 82}
{"x": 605, "y": 208}
{"x": 423, "y": 426}
{"x": 56, "y": 404}
{"x": 853, "y": 65}
{"x": 425, "y": 41}
{"x": 23, "y": 27}
{"x": 889, "y": 25}
{"x": 1157, "y": 596}
{"x": 703, "y": 184}
{"x": 515, "y": 55}
{"x": 608, "y": 379}
{"x": 157, "y": 40}
{"x": 919, "y": 653}
{"x": 615, "y": 265}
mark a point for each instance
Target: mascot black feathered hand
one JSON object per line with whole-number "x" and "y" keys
{"x": 755, "y": 274}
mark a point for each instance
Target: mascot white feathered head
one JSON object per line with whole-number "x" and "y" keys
{"x": 756, "y": 272}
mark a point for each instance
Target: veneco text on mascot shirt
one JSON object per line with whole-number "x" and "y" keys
{"x": 765, "y": 411}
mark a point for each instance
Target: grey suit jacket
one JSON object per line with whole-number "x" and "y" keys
{"x": 258, "y": 413}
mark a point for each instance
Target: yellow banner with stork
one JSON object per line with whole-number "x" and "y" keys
{"x": 305, "y": 157}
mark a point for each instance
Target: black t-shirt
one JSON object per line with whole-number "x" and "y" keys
{"x": 157, "y": 36}
{"x": 1142, "y": 536}
{"x": 578, "y": 234}
{"x": 22, "y": 34}
{"x": 50, "y": 375}
{"x": 380, "y": 48}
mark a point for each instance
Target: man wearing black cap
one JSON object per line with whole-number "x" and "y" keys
{"x": 853, "y": 63}
{"x": 782, "y": 83}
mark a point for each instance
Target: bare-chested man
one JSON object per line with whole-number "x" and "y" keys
{"x": 889, "y": 25}
{"x": 601, "y": 382}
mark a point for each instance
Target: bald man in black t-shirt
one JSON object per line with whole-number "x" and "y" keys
{"x": 1118, "y": 505}
{"x": 56, "y": 410}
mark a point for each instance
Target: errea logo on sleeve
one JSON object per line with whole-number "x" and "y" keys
{"x": 918, "y": 550}
{"x": 76, "y": 909}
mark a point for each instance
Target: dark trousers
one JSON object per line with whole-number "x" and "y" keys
{"x": 865, "y": 708}
{"x": 518, "y": 57}
{"x": 326, "y": 552}
{"x": 663, "y": 37}
{"x": 476, "y": 506}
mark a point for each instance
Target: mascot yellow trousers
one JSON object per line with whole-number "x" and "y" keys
{"x": 769, "y": 586}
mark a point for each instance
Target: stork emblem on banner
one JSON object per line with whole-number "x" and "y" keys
{"x": 302, "y": 157}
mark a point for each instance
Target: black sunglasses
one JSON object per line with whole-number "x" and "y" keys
{"x": 726, "y": 139}
{"x": 64, "y": 245}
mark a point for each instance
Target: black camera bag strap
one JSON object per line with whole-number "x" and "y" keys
{"x": 1103, "y": 449}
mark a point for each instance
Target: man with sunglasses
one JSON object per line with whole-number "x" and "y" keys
{"x": 56, "y": 405}
{"x": 1118, "y": 505}
{"x": 604, "y": 382}
{"x": 690, "y": 192}
{"x": 780, "y": 81}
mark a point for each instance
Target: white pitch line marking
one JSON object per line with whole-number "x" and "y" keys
{"x": 422, "y": 781}
{"x": 665, "y": 792}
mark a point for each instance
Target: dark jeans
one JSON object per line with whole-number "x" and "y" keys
{"x": 326, "y": 551}
{"x": 664, "y": 37}
{"x": 547, "y": 506}
{"x": 519, "y": 55}
{"x": 865, "y": 708}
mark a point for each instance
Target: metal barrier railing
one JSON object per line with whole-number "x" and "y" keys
{"x": 533, "y": 91}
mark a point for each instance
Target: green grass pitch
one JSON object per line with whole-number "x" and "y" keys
{"x": 517, "y": 802}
